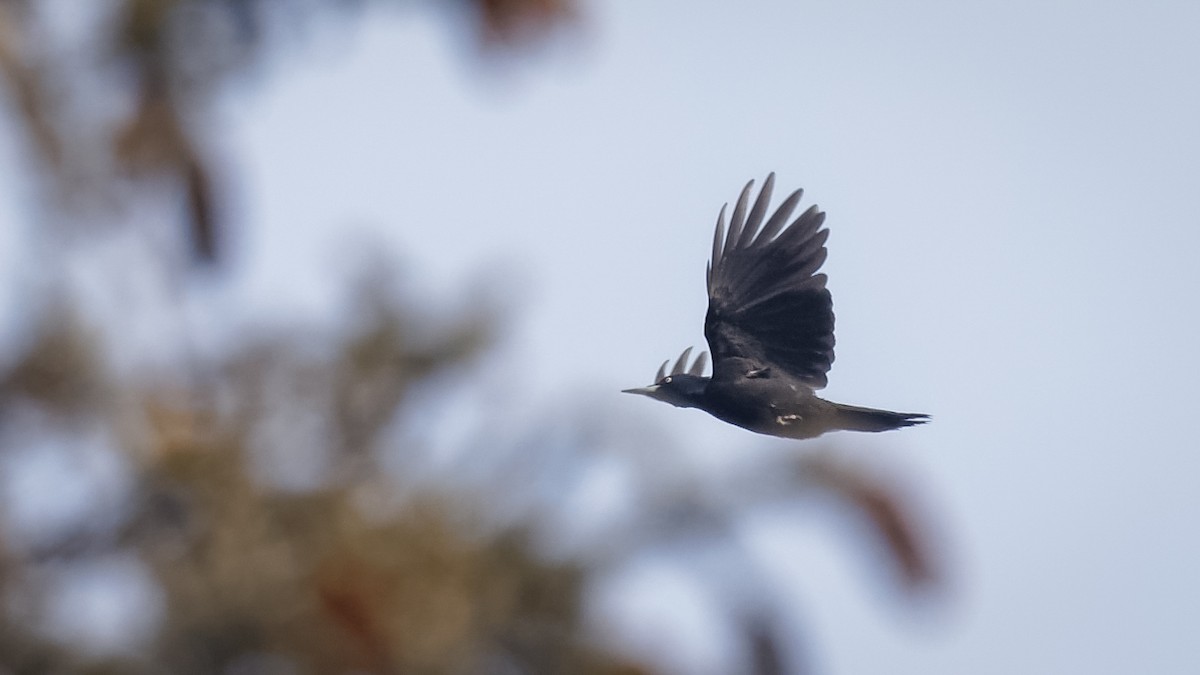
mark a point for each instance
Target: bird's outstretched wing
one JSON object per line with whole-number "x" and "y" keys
{"x": 765, "y": 300}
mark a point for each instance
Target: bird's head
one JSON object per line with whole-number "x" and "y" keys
{"x": 684, "y": 390}
{"x": 683, "y": 387}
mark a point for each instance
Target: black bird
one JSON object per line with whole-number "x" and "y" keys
{"x": 770, "y": 329}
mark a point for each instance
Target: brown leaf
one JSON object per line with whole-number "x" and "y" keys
{"x": 512, "y": 22}
{"x": 889, "y": 509}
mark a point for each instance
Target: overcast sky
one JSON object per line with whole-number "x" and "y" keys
{"x": 1011, "y": 189}
{"x": 1012, "y": 196}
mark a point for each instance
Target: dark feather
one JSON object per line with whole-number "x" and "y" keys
{"x": 766, "y": 302}
{"x": 754, "y": 220}
{"x": 682, "y": 363}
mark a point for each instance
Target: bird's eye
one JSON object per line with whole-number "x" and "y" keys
{"x": 667, "y": 380}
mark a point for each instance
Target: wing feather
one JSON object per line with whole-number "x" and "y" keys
{"x": 779, "y": 219}
{"x": 766, "y": 301}
{"x": 738, "y": 219}
{"x": 754, "y": 220}
{"x": 681, "y": 363}
{"x": 718, "y": 240}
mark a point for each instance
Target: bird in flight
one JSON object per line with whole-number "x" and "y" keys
{"x": 770, "y": 329}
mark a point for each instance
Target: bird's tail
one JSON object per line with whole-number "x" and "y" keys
{"x": 854, "y": 418}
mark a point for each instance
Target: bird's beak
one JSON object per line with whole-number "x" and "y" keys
{"x": 644, "y": 391}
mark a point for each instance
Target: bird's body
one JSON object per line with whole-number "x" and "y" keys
{"x": 770, "y": 329}
{"x": 766, "y": 402}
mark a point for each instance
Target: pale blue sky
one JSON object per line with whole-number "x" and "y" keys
{"x": 1011, "y": 190}
{"x": 1012, "y": 196}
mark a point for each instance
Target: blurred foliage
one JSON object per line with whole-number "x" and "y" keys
{"x": 355, "y": 566}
